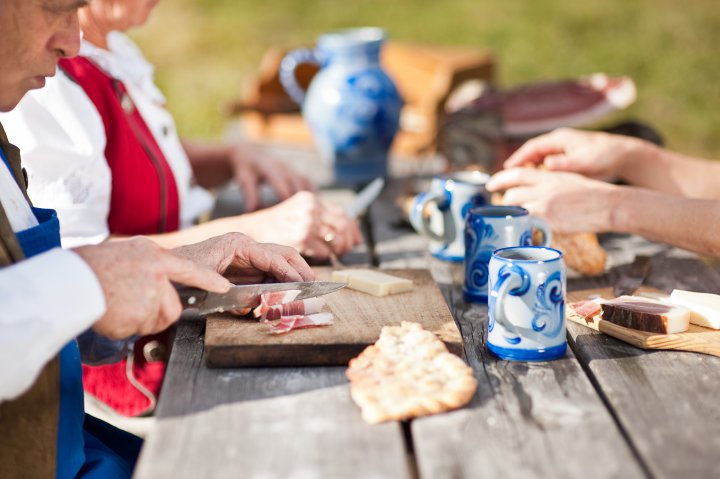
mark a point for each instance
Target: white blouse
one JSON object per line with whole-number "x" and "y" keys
{"x": 62, "y": 141}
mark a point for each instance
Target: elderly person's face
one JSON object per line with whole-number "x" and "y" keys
{"x": 34, "y": 35}
{"x": 118, "y": 15}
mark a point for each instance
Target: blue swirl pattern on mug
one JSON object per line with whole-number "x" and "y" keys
{"x": 549, "y": 304}
{"x": 479, "y": 240}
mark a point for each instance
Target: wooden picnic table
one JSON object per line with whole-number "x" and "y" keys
{"x": 606, "y": 410}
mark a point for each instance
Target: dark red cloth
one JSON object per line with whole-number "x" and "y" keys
{"x": 144, "y": 200}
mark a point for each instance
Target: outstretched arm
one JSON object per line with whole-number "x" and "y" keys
{"x": 574, "y": 203}
{"x": 637, "y": 162}
{"x": 304, "y": 222}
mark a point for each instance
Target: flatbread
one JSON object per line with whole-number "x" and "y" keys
{"x": 408, "y": 373}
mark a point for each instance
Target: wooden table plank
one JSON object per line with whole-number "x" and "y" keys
{"x": 527, "y": 419}
{"x": 262, "y": 423}
{"x": 665, "y": 401}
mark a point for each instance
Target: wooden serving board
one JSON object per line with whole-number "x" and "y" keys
{"x": 358, "y": 319}
{"x": 696, "y": 338}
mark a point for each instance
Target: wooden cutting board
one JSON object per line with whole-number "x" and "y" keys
{"x": 358, "y": 319}
{"x": 696, "y": 339}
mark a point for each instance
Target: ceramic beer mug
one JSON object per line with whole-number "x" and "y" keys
{"x": 526, "y": 308}
{"x": 440, "y": 213}
{"x": 487, "y": 229}
{"x": 352, "y": 106}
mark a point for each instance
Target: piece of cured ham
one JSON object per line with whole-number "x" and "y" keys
{"x": 276, "y": 297}
{"x": 289, "y": 323}
{"x": 646, "y": 314}
{"x": 587, "y": 308}
{"x": 303, "y": 307}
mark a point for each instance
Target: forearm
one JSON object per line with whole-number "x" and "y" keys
{"x": 210, "y": 162}
{"x": 652, "y": 167}
{"x": 688, "y": 223}
{"x": 202, "y": 232}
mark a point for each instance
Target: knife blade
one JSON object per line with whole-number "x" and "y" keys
{"x": 365, "y": 198}
{"x": 631, "y": 280}
{"x": 248, "y": 295}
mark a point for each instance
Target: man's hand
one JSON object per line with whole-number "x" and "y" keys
{"x": 243, "y": 260}
{"x": 251, "y": 167}
{"x": 136, "y": 277}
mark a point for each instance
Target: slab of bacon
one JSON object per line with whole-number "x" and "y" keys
{"x": 646, "y": 314}
{"x": 635, "y": 312}
{"x": 289, "y": 323}
{"x": 292, "y": 314}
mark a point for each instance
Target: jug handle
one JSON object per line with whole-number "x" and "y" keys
{"x": 287, "y": 71}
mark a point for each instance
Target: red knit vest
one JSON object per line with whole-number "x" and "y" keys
{"x": 144, "y": 198}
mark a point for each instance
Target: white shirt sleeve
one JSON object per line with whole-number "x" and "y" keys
{"x": 62, "y": 140}
{"x": 46, "y": 301}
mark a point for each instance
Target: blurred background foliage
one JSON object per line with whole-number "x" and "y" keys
{"x": 205, "y": 50}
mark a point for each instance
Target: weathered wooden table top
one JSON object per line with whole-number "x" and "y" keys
{"x": 607, "y": 409}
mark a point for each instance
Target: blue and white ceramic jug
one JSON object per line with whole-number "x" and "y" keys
{"x": 352, "y": 105}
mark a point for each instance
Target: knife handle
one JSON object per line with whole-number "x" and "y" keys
{"x": 191, "y": 297}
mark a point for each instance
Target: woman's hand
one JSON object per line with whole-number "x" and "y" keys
{"x": 305, "y": 222}
{"x": 594, "y": 154}
{"x": 251, "y": 166}
{"x": 567, "y": 201}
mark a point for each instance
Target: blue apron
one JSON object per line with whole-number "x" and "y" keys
{"x": 80, "y": 452}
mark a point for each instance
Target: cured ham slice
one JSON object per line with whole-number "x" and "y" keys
{"x": 646, "y": 314}
{"x": 296, "y": 308}
{"x": 276, "y": 297}
{"x": 289, "y": 323}
{"x": 587, "y": 309}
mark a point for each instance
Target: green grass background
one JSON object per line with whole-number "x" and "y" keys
{"x": 205, "y": 50}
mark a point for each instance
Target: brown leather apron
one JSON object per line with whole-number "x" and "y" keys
{"x": 28, "y": 424}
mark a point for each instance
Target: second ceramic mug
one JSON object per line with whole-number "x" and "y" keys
{"x": 440, "y": 213}
{"x": 487, "y": 229}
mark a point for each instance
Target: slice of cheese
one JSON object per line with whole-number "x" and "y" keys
{"x": 704, "y": 307}
{"x": 372, "y": 282}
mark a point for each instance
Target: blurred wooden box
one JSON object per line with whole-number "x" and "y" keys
{"x": 425, "y": 76}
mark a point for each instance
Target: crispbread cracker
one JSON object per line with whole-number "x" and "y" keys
{"x": 408, "y": 372}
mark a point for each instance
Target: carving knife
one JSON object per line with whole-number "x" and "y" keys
{"x": 248, "y": 295}
{"x": 365, "y": 198}
{"x": 630, "y": 281}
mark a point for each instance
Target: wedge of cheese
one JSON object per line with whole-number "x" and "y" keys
{"x": 372, "y": 282}
{"x": 704, "y": 307}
